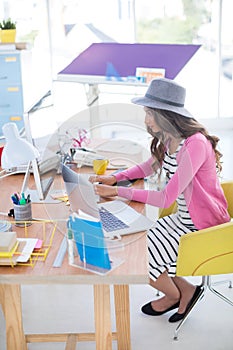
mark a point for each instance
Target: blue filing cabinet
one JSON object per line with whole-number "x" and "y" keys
{"x": 11, "y": 90}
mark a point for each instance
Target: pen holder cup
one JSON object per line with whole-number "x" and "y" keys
{"x": 23, "y": 214}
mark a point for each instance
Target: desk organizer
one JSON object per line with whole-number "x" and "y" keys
{"x": 34, "y": 241}
{"x": 89, "y": 249}
{"x": 23, "y": 213}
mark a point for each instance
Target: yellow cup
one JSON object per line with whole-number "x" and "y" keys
{"x": 100, "y": 166}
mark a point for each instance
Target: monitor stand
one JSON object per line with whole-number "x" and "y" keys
{"x": 37, "y": 196}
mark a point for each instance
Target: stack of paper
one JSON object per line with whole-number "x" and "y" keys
{"x": 15, "y": 250}
{"x": 7, "y": 241}
{"x": 8, "y": 247}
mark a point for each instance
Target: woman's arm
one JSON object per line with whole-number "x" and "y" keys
{"x": 138, "y": 171}
{"x": 192, "y": 156}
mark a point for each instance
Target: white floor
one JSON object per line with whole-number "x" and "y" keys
{"x": 70, "y": 309}
{"x": 58, "y": 308}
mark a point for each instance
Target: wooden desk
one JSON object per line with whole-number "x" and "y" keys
{"x": 132, "y": 271}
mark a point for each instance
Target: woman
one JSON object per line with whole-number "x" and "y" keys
{"x": 183, "y": 149}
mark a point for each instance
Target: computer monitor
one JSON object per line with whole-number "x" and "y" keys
{"x": 44, "y": 171}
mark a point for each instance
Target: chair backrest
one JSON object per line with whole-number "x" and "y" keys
{"x": 208, "y": 251}
{"x": 227, "y": 187}
{"x": 167, "y": 211}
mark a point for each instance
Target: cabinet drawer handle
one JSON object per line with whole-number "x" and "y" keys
{"x": 5, "y": 106}
{"x": 3, "y": 77}
{"x": 13, "y": 89}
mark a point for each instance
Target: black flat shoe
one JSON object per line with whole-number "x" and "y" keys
{"x": 148, "y": 310}
{"x": 178, "y": 317}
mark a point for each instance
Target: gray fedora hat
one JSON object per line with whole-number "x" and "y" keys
{"x": 164, "y": 94}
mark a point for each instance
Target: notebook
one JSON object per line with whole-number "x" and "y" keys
{"x": 83, "y": 199}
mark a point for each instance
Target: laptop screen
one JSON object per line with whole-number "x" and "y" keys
{"x": 80, "y": 192}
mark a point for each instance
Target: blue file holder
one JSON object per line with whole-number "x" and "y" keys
{"x": 89, "y": 249}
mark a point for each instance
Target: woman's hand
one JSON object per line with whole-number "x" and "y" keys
{"x": 105, "y": 190}
{"x": 106, "y": 180}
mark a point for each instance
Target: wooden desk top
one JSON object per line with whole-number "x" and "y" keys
{"x": 132, "y": 271}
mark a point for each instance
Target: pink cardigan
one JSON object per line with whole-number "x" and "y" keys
{"x": 195, "y": 177}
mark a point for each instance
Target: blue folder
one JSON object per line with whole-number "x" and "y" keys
{"x": 90, "y": 242}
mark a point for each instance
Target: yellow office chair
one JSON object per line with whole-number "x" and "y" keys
{"x": 207, "y": 252}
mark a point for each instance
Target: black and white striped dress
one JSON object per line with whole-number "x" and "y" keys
{"x": 163, "y": 238}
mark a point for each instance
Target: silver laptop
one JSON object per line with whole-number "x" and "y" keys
{"x": 117, "y": 217}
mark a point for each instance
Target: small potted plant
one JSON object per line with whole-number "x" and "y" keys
{"x": 8, "y": 31}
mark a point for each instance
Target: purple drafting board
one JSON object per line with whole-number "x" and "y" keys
{"x": 100, "y": 59}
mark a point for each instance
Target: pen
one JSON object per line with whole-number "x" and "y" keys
{"x": 15, "y": 199}
{"x": 22, "y": 201}
{"x": 86, "y": 150}
{"x": 28, "y": 200}
{"x": 16, "y": 195}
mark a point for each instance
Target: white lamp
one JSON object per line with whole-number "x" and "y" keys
{"x": 16, "y": 151}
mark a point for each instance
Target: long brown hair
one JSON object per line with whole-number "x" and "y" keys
{"x": 179, "y": 127}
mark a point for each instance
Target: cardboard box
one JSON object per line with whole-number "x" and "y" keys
{"x": 150, "y": 73}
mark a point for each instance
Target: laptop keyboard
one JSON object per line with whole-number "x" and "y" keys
{"x": 110, "y": 222}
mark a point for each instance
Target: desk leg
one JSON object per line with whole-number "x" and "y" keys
{"x": 2, "y": 296}
{"x": 103, "y": 328}
{"x": 121, "y": 295}
{"x": 12, "y": 309}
